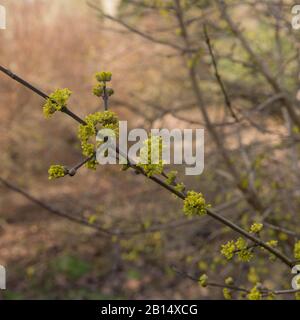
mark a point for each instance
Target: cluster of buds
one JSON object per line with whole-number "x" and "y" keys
{"x": 194, "y": 204}
{"x": 101, "y": 89}
{"x": 57, "y": 171}
{"x": 57, "y": 101}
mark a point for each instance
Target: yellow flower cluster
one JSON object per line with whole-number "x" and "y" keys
{"x": 256, "y": 227}
{"x": 203, "y": 280}
{"x": 238, "y": 247}
{"x": 227, "y": 294}
{"x": 57, "y": 171}
{"x": 56, "y": 102}
{"x": 227, "y": 249}
{"x": 297, "y": 250}
{"x": 254, "y": 294}
{"x": 151, "y": 156}
{"x": 194, "y": 204}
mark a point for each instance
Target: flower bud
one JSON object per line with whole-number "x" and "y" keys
{"x": 104, "y": 76}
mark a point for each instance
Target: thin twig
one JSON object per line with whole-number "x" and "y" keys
{"x": 217, "y": 74}
{"x": 264, "y": 291}
{"x": 209, "y": 284}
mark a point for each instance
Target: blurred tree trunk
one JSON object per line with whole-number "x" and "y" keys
{"x": 111, "y": 7}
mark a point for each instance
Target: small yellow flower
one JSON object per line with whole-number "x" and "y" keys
{"x": 256, "y": 227}
{"x": 57, "y": 171}
{"x": 229, "y": 281}
{"x": 56, "y": 102}
{"x": 203, "y": 280}
{"x": 194, "y": 204}
{"x": 227, "y": 294}
{"x": 227, "y": 250}
{"x": 297, "y": 250}
{"x": 254, "y": 294}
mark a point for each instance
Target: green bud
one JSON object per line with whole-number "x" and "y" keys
{"x": 256, "y": 227}
{"x": 104, "y": 76}
{"x": 98, "y": 90}
{"x": 171, "y": 177}
{"x": 227, "y": 294}
{"x": 180, "y": 187}
{"x": 110, "y": 91}
{"x": 203, "y": 280}
{"x": 229, "y": 281}
{"x": 297, "y": 250}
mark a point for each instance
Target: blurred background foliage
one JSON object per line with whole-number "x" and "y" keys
{"x": 56, "y": 44}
